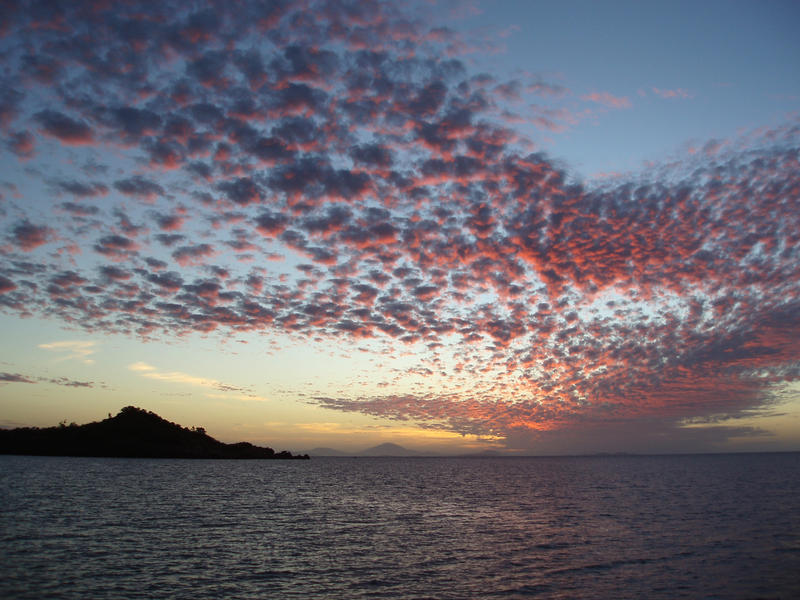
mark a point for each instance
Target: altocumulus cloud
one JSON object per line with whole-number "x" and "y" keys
{"x": 360, "y": 148}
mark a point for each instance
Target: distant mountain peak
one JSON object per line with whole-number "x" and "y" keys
{"x": 390, "y": 446}
{"x": 388, "y": 449}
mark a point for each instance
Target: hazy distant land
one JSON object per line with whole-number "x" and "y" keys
{"x": 132, "y": 433}
{"x": 387, "y": 449}
{"x": 393, "y": 450}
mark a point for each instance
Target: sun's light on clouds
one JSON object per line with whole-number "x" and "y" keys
{"x": 151, "y": 372}
{"x": 396, "y": 433}
{"x": 238, "y": 397}
{"x": 79, "y": 350}
{"x": 350, "y": 184}
{"x": 141, "y": 367}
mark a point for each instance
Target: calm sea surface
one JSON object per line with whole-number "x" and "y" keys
{"x": 721, "y": 526}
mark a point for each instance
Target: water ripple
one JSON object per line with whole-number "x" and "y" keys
{"x": 605, "y": 527}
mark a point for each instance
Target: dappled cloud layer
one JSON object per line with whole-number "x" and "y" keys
{"x": 335, "y": 171}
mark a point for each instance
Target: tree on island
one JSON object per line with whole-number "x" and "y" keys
{"x": 132, "y": 433}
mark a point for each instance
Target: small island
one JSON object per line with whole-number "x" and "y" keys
{"x": 132, "y": 433}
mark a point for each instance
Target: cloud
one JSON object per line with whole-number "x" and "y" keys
{"x": 141, "y": 367}
{"x": 113, "y": 273}
{"x": 351, "y": 182}
{"x": 6, "y": 285}
{"x": 73, "y": 350}
{"x": 239, "y": 397}
{"x": 66, "y": 129}
{"x": 543, "y": 88}
{"x": 608, "y": 100}
{"x": 139, "y": 187}
{"x": 14, "y": 378}
{"x": 70, "y": 382}
{"x": 178, "y": 377}
{"x": 29, "y": 236}
{"x": 669, "y": 94}
{"x": 150, "y": 372}
{"x": 193, "y": 255}
{"x": 242, "y": 191}
{"x": 116, "y": 247}
{"x": 81, "y": 189}
{"x": 22, "y": 144}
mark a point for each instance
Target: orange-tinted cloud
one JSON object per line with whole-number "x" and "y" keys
{"x": 353, "y": 180}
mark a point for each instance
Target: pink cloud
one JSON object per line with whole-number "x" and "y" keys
{"x": 379, "y": 195}
{"x": 14, "y": 378}
{"x": 6, "y": 285}
{"x": 74, "y": 132}
{"x": 608, "y": 100}
{"x": 193, "y": 255}
{"x": 22, "y": 144}
{"x": 29, "y": 236}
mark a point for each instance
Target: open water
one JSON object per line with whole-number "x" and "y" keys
{"x": 713, "y": 526}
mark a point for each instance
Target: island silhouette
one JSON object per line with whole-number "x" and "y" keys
{"x": 132, "y": 433}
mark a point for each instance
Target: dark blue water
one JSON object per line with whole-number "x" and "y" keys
{"x": 724, "y": 526}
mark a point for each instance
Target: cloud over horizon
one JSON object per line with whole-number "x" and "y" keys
{"x": 349, "y": 178}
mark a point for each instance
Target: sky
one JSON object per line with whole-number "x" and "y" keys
{"x": 527, "y": 227}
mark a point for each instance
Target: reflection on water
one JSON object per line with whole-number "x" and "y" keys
{"x": 722, "y": 526}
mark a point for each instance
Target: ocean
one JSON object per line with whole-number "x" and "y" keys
{"x": 700, "y": 526}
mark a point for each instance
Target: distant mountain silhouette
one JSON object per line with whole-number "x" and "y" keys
{"x": 388, "y": 449}
{"x": 132, "y": 433}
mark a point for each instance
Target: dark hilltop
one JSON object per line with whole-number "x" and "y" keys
{"x": 132, "y": 433}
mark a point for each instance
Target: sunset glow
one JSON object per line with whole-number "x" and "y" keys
{"x": 338, "y": 224}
